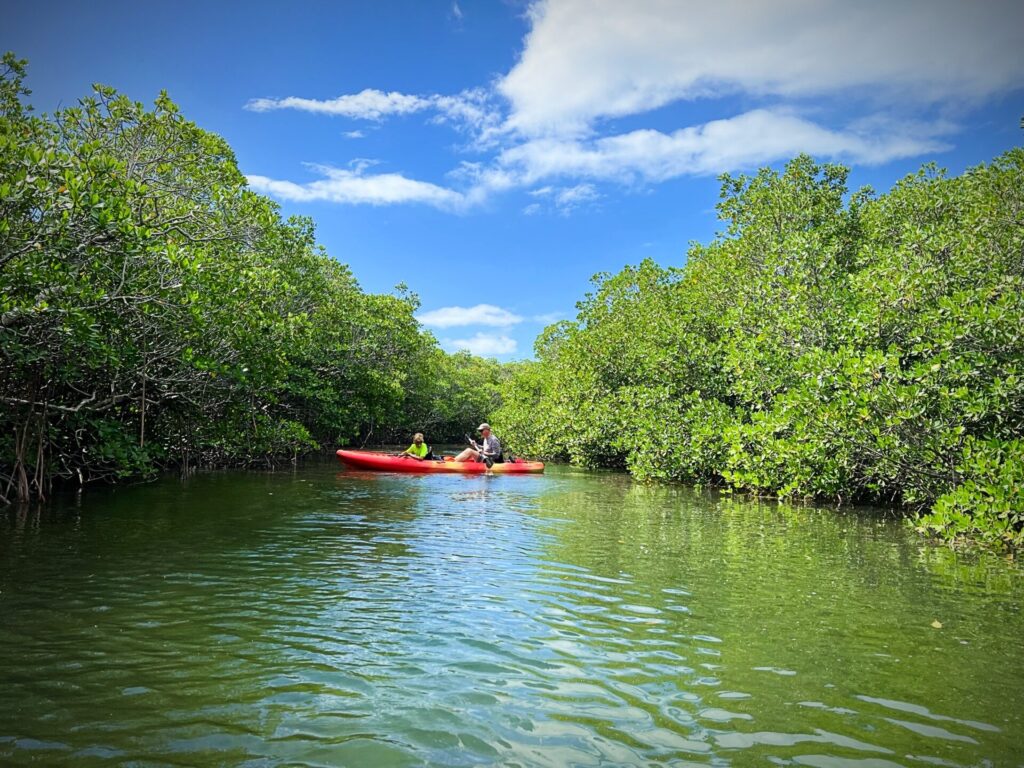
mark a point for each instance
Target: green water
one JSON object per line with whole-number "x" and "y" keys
{"x": 326, "y": 617}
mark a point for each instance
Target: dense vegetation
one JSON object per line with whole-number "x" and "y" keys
{"x": 156, "y": 312}
{"x": 825, "y": 345}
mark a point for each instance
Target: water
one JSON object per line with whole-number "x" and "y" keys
{"x": 337, "y": 618}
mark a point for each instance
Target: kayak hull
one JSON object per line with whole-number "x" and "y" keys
{"x": 382, "y": 462}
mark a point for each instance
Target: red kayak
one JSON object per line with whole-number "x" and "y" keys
{"x": 386, "y": 463}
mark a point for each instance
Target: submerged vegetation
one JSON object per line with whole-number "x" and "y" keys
{"x": 156, "y": 312}
{"x": 826, "y": 345}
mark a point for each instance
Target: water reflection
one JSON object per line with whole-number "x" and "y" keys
{"x": 779, "y": 620}
{"x": 349, "y": 618}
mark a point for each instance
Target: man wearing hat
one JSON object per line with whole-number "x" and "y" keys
{"x": 488, "y": 450}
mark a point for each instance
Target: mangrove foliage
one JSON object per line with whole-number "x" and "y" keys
{"x": 156, "y": 312}
{"x": 826, "y": 345}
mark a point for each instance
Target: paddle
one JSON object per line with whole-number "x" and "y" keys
{"x": 487, "y": 459}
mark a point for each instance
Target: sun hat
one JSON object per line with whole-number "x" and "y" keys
{"x": 483, "y": 426}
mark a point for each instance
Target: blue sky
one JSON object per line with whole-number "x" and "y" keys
{"x": 495, "y": 155}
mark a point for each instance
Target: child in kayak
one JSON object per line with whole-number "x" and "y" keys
{"x": 419, "y": 450}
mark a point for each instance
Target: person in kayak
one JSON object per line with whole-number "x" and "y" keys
{"x": 419, "y": 450}
{"x": 488, "y": 450}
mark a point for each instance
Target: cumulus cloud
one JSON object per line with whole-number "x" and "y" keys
{"x": 483, "y": 344}
{"x": 588, "y": 59}
{"x": 355, "y": 186}
{"x": 481, "y": 314}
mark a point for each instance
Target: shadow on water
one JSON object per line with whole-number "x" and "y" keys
{"x": 325, "y": 617}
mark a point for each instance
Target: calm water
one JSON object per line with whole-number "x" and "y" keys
{"x": 327, "y": 617}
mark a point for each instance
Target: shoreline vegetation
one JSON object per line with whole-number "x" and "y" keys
{"x": 827, "y": 345}
{"x": 156, "y": 313}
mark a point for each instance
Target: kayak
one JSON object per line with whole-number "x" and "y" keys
{"x": 383, "y": 462}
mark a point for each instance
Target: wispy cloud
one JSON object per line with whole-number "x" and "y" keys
{"x": 473, "y": 109}
{"x": 356, "y": 187}
{"x": 567, "y": 199}
{"x": 353, "y": 134}
{"x": 755, "y": 137}
{"x": 642, "y": 156}
{"x": 368, "y": 104}
{"x": 481, "y": 314}
{"x": 456, "y": 10}
{"x": 483, "y": 344}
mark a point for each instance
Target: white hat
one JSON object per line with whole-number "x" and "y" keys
{"x": 483, "y": 426}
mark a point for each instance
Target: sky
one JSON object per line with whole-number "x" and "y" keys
{"x": 494, "y": 156}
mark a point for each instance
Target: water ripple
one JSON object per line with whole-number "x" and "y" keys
{"x": 572, "y": 619}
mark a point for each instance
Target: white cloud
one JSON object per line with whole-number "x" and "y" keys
{"x": 755, "y": 137}
{"x": 353, "y": 134}
{"x": 481, "y": 314}
{"x": 456, "y": 10}
{"x": 584, "y": 61}
{"x": 473, "y": 108}
{"x": 588, "y": 59}
{"x": 643, "y": 156}
{"x": 474, "y": 113}
{"x": 581, "y": 193}
{"x": 356, "y": 187}
{"x": 483, "y": 344}
{"x": 565, "y": 199}
{"x": 368, "y": 104}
